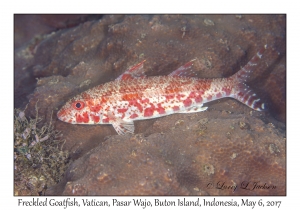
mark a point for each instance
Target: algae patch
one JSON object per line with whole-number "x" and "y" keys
{"x": 39, "y": 161}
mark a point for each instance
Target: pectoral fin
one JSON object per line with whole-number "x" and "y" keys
{"x": 122, "y": 127}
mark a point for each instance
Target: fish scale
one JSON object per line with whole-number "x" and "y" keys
{"x": 133, "y": 96}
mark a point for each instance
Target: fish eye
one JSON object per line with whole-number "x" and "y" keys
{"x": 78, "y": 105}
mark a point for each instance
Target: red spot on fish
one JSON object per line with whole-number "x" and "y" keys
{"x": 136, "y": 104}
{"x": 198, "y": 99}
{"x": 226, "y": 90}
{"x": 139, "y": 106}
{"x": 133, "y": 116}
{"x": 78, "y": 118}
{"x": 192, "y": 95}
{"x": 179, "y": 96}
{"x": 187, "y": 102}
{"x": 209, "y": 97}
{"x": 130, "y": 96}
{"x": 95, "y": 108}
{"x": 176, "y": 108}
{"x": 149, "y": 111}
{"x": 84, "y": 118}
{"x": 219, "y": 95}
{"x": 106, "y": 120}
{"x": 146, "y": 100}
{"x": 169, "y": 96}
{"x": 103, "y": 100}
{"x": 122, "y": 110}
{"x": 78, "y": 105}
{"x": 160, "y": 109}
{"x": 95, "y": 118}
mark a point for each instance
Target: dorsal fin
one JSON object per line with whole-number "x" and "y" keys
{"x": 185, "y": 71}
{"x": 136, "y": 71}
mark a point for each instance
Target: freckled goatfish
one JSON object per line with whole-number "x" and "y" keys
{"x": 133, "y": 96}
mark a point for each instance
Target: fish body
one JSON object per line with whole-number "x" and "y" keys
{"x": 133, "y": 96}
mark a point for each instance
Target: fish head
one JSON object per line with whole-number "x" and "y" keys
{"x": 80, "y": 110}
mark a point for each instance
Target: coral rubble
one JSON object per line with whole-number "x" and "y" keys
{"x": 39, "y": 161}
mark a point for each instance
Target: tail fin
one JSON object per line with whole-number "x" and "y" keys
{"x": 241, "y": 91}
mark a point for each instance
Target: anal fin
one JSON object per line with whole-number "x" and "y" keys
{"x": 193, "y": 109}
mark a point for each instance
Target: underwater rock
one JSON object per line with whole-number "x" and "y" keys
{"x": 185, "y": 159}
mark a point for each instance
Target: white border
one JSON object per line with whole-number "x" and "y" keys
{"x": 154, "y": 6}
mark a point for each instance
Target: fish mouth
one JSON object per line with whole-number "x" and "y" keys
{"x": 61, "y": 115}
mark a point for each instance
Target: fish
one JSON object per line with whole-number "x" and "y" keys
{"x": 134, "y": 96}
